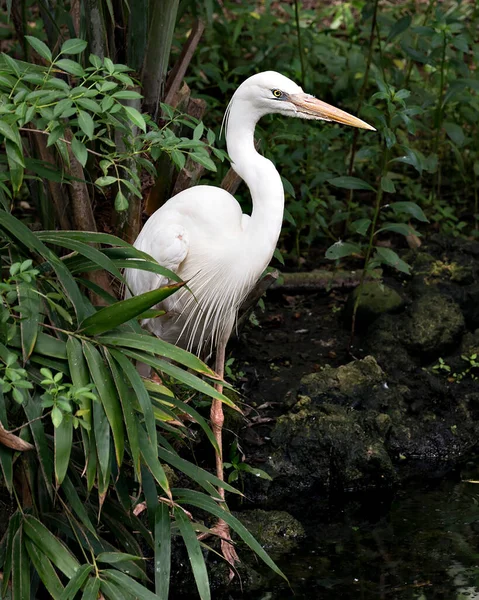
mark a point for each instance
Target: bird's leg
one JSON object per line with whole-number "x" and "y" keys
{"x": 217, "y": 419}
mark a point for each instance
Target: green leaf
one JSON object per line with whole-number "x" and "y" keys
{"x": 77, "y": 505}
{"x": 342, "y": 249}
{"x": 51, "y": 546}
{"x": 108, "y": 397}
{"x": 26, "y": 237}
{"x": 86, "y": 123}
{"x": 162, "y": 550}
{"x": 70, "y": 66}
{"x": 97, "y": 257}
{"x": 195, "y": 554}
{"x": 91, "y": 589}
{"x": 6, "y": 454}
{"x": 401, "y": 228}
{"x": 8, "y": 132}
{"x": 387, "y": 185}
{"x": 130, "y": 585}
{"x": 109, "y": 317}
{"x": 180, "y": 375}
{"x": 63, "y": 438}
{"x": 135, "y": 117}
{"x": 40, "y": 47}
{"x": 80, "y": 151}
{"x": 121, "y": 201}
{"x": 399, "y": 27}
{"x": 150, "y": 456}
{"x": 142, "y": 395}
{"x": 203, "y": 160}
{"x": 361, "y": 226}
{"x": 105, "y": 180}
{"x": 115, "y": 557}
{"x": 409, "y": 208}
{"x": 127, "y": 95}
{"x": 45, "y": 570}
{"x": 131, "y": 422}
{"x": 20, "y": 568}
{"x": 198, "y": 131}
{"x": 202, "y": 477}
{"x": 150, "y": 343}
{"x": 389, "y": 257}
{"x": 76, "y": 582}
{"x": 455, "y": 133}
{"x": 73, "y": 46}
{"x": 351, "y": 183}
{"x": 30, "y": 303}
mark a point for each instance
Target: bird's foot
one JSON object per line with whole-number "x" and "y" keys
{"x": 222, "y": 530}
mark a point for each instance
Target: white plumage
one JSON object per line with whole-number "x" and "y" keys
{"x": 202, "y": 234}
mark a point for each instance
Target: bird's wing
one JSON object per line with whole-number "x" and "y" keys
{"x": 167, "y": 242}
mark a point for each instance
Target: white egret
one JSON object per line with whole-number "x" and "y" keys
{"x": 202, "y": 234}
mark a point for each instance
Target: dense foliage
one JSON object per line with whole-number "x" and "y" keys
{"x": 90, "y": 451}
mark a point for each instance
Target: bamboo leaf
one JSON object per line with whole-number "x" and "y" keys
{"x": 91, "y": 589}
{"x": 76, "y": 582}
{"x": 150, "y": 343}
{"x": 97, "y": 257}
{"x": 108, "y": 397}
{"x": 116, "y": 557}
{"x": 109, "y": 317}
{"x": 131, "y": 422}
{"x": 77, "y": 505}
{"x": 33, "y": 409}
{"x": 30, "y": 303}
{"x": 130, "y": 585}
{"x": 195, "y": 554}
{"x": 63, "y": 438}
{"x": 181, "y": 375}
{"x": 142, "y": 395}
{"x": 45, "y": 570}
{"x": 162, "y": 551}
{"x": 13, "y": 526}
{"x": 150, "y": 456}
{"x": 20, "y": 568}
{"x": 6, "y": 454}
{"x": 51, "y": 546}
{"x": 204, "y": 478}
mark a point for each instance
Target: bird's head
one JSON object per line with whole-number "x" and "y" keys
{"x": 271, "y": 92}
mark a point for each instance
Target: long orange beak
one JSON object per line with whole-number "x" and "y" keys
{"x": 310, "y": 107}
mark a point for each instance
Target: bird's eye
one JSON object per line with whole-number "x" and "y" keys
{"x": 277, "y": 93}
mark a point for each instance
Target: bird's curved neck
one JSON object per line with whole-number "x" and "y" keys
{"x": 258, "y": 172}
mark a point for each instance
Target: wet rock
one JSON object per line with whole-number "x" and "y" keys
{"x": 352, "y": 430}
{"x": 343, "y": 383}
{"x": 434, "y": 324}
{"x": 276, "y": 530}
{"x": 376, "y": 298}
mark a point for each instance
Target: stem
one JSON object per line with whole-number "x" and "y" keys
{"x": 300, "y": 44}
{"x": 377, "y": 210}
{"x": 362, "y": 92}
{"x": 411, "y": 62}
{"x": 438, "y": 116}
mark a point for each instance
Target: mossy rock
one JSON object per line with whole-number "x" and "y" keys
{"x": 375, "y": 299}
{"x": 344, "y": 381}
{"x": 276, "y": 530}
{"x": 434, "y": 325}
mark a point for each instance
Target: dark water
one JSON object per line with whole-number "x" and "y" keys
{"x": 422, "y": 543}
